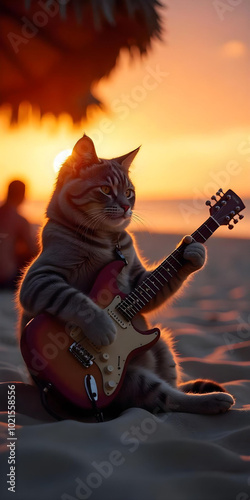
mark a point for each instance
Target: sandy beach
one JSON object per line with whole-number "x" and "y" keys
{"x": 173, "y": 456}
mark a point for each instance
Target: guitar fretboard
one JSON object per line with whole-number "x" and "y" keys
{"x": 148, "y": 289}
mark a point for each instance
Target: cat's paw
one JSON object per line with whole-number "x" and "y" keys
{"x": 101, "y": 330}
{"x": 218, "y": 402}
{"x": 194, "y": 253}
{"x": 201, "y": 386}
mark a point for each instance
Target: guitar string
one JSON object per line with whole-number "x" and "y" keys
{"x": 130, "y": 305}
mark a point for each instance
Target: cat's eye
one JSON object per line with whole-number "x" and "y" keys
{"x": 106, "y": 189}
{"x": 129, "y": 193}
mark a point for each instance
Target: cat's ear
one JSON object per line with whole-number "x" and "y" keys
{"x": 84, "y": 153}
{"x": 127, "y": 159}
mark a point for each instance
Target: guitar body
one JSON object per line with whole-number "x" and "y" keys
{"x": 59, "y": 353}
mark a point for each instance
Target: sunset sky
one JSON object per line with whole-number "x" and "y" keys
{"x": 187, "y": 104}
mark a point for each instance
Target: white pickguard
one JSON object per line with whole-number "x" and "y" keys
{"x": 111, "y": 359}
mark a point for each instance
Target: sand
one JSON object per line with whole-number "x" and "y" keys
{"x": 140, "y": 456}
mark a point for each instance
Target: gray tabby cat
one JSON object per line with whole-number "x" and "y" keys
{"x": 87, "y": 218}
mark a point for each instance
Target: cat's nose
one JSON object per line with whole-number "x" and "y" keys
{"x": 125, "y": 207}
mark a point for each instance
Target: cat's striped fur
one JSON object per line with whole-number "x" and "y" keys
{"x": 87, "y": 217}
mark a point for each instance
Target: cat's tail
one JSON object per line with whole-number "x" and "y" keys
{"x": 201, "y": 386}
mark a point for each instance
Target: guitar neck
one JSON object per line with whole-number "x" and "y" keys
{"x": 142, "y": 294}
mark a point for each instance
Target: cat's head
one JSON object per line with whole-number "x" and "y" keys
{"x": 94, "y": 193}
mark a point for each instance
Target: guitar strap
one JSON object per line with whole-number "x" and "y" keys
{"x": 119, "y": 254}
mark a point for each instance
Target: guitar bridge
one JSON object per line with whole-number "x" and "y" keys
{"x": 81, "y": 354}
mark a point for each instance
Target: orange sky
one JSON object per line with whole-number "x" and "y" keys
{"x": 187, "y": 104}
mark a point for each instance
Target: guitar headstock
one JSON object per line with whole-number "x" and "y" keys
{"x": 226, "y": 208}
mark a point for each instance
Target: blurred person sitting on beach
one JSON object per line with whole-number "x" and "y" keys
{"x": 17, "y": 244}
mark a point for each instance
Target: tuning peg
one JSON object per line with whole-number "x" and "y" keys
{"x": 230, "y": 226}
{"x": 235, "y": 221}
{"x": 208, "y": 202}
{"x": 241, "y": 216}
{"x": 229, "y": 197}
{"x": 213, "y": 198}
{"x": 219, "y": 192}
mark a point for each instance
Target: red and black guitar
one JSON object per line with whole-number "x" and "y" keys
{"x": 87, "y": 376}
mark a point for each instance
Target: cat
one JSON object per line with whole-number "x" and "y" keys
{"x": 87, "y": 217}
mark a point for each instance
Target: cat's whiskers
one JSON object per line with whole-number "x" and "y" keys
{"x": 138, "y": 219}
{"x": 97, "y": 221}
{"x": 141, "y": 213}
{"x": 92, "y": 222}
{"x": 96, "y": 217}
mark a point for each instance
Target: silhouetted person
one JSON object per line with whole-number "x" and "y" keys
{"x": 17, "y": 245}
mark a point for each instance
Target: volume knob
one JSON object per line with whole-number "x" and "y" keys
{"x": 110, "y": 384}
{"x": 109, "y": 369}
{"x": 104, "y": 356}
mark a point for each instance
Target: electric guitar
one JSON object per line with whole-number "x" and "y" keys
{"x": 88, "y": 376}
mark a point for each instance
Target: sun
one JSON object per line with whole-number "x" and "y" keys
{"x": 60, "y": 159}
{"x": 234, "y": 49}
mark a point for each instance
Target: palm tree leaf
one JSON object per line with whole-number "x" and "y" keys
{"x": 51, "y": 59}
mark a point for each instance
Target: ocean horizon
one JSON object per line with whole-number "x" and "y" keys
{"x": 177, "y": 216}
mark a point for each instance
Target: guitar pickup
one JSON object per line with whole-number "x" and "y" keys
{"x": 116, "y": 317}
{"x": 81, "y": 354}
